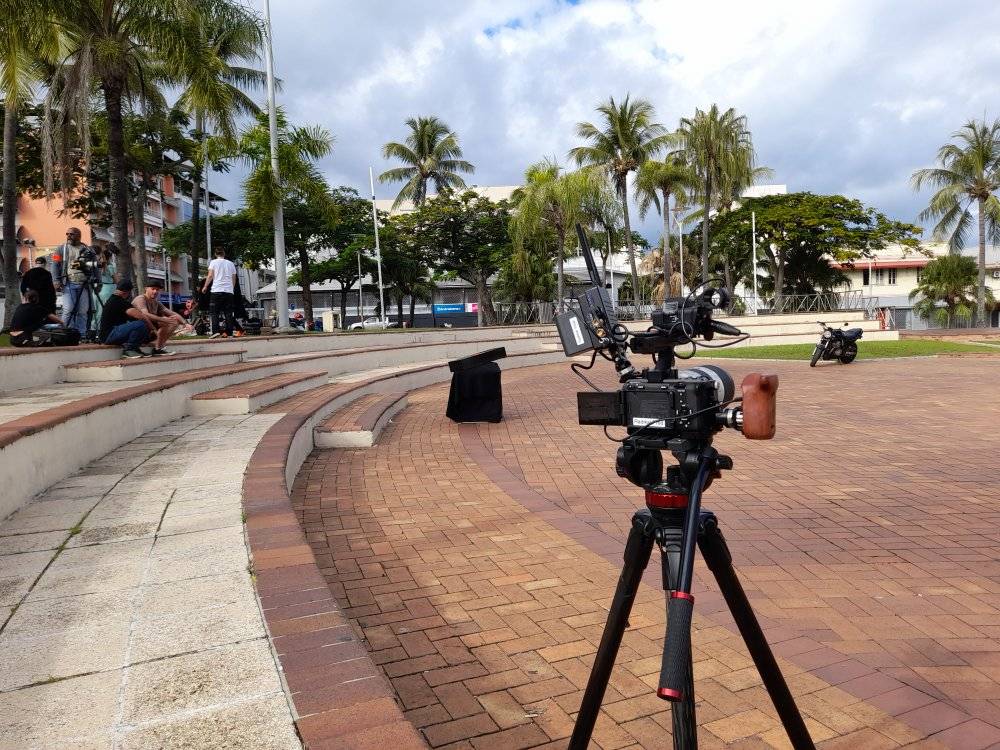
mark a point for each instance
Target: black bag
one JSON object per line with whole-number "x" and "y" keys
{"x": 57, "y": 336}
{"x": 476, "y": 394}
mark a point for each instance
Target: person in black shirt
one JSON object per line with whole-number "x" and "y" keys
{"x": 39, "y": 279}
{"x": 29, "y": 316}
{"x": 123, "y": 323}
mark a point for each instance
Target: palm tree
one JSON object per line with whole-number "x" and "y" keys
{"x": 671, "y": 177}
{"x": 122, "y": 45}
{"x": 432, "y": 154}
{"x": 719, "y": 148}
{"x": 602, "y": 209}
{"x": 627, "y": 139}
{"x": 27, "y": 41}
{"x": 298, "y": 150}
{"x": 969, "y": 172}
{"x": 215, "y": 88}
{"x": 947, "y": 288}
{"x": 549, "y": 201}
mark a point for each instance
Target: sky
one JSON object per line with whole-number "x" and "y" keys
{"x": 843, "y": 97}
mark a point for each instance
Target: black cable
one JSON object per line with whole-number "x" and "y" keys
{"x": 576, "y": 367}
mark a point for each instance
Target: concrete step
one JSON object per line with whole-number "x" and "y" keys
{"x": 359, "y": 424}
{"x": 147, "y": 367}
{"x": 248, "y": 397}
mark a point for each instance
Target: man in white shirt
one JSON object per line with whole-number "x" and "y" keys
{"x": 221, "y": 273}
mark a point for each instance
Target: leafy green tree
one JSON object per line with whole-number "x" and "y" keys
{"x": 352, "y": 238}
{"x": 719, "y": 148}
{"x": 526, "y": 276}
{"x": 431, "y": 153}
{"x": 948, "y": 288}
{"x": 968, "y": 173}
{"x": 301, "y": 188}
{"x": 799, "y": 234}
{"x": 215, "y": 87}
{"x": 467, "y": 235}
{"x": 121, "y": 45}
{"x": 549, "y": 202}
{"x": 670, "y": 177}
{"x": 626, "y": 140}
{"x": 244, "y": 239}
{"x": 404, "y": 267}
{"x": 27, "y": 42}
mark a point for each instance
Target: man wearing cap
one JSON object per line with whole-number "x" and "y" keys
{"x": 123, "y": 323}
{"x": 162, "y": 320}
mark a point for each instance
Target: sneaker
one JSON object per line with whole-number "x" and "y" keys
{"x": 162, "y": 353}
{"x": 215, "y": 336}
{"x": 132, "y": 354}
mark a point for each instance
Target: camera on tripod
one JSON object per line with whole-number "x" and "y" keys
{"x": 88, "y": 264}
{"x": 662, "y": 407}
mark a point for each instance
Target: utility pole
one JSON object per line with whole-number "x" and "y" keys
{"x": 280, "y": 268}
{"x": 378, "y": 251}
{"x": 753, "y": 232}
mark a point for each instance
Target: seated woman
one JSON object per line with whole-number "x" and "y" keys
{"x": 28, "y": 317}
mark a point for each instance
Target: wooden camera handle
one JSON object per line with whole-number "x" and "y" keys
{"x": 760, "y": 401}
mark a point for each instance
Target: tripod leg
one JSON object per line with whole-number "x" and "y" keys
{"x": 720, "y": 562}
{"x": 637, "y": 551}
{"x": 685, "y": 725}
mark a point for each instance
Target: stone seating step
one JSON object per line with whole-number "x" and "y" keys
{"x": 359, "y": 424}
{"x": 147, "y": 367}
{"x": 248, "y": 397}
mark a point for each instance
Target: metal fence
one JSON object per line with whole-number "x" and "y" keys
{"x": 787, "y": 304}
{"x": 521, "y": 313}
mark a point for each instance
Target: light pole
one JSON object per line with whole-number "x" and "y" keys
{"x": 680, "y": 243}
{"x": 378, "y": 251}
{"x": 753, "y": 234}
{"x": 280, "y": 269}
{"x": 208, "y": 206}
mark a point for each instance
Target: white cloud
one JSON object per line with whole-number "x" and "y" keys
{"x": 844, "y": 97}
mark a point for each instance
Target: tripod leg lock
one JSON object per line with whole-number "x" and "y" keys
{"x": 676, "y": 647}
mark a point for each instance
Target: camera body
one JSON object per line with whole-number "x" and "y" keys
{"x": 86, "y": 262}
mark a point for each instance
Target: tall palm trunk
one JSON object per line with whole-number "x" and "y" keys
{"x": 193, "y": 252}
{"x": 413, "y": 305}
{"x": 705, "y": 226}
{"x": 305, "y": 280}
{"x": 623, "y": 195}
{"x": 10, "y": 212}
{"x": 981, "y": 321}
{"x": 605, "y": 259}
{"x": 139, "y": 230}
{"x": 668, "y": 270}
{"x": 561, "y": 241}
{"x": 116, "y": 166}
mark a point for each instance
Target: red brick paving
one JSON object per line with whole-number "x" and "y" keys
{"x": 478, "y": 562}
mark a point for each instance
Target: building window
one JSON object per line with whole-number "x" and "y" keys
{"x": 865, "y": 277}
{"x": 879, "y": 276}
{"x": 892, "y": 275}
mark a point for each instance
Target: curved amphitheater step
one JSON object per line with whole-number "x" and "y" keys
{"x": 129, "y": 616}
{"x": 147, "y": 367}
{"x": 248, "y": 397}
{"x": 359, "y": 424}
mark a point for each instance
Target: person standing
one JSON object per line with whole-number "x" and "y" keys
{"x": 109, "y": 273}
{"x": 221, "y": 273}
{"x": 72, "y": 279}
{"x": 39, "y": 280}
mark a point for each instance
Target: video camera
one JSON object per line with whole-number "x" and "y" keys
{"x": 661, "y": 407}
{"x": 87, "y": 263}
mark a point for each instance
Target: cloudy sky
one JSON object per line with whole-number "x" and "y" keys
{"x": 842, "y": 97}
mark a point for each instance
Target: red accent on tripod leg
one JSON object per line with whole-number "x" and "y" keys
{"x": 666, "y": 499}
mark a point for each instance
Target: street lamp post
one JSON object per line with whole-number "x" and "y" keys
{"x": 280, "y": 269}
{"x": 680, "y": 243}
{"x": 378, "y": 251}
{"x": 753, "y": 232}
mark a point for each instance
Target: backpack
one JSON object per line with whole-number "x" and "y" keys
{"x": 57, "y": 336}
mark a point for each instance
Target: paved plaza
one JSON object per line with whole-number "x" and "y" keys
{"x": 478, "y": 562}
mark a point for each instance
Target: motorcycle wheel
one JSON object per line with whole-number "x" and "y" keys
{"x": 817, "y": 353}
{"x": 848, "y": 353}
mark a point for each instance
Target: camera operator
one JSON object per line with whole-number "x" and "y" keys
{"x": 40, "y": 280}
{"x": 72, "y": 278}
{"x": 28, "y": 317}
{"x": 163, "y": 321}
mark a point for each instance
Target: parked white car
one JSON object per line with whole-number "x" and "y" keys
{"x": 372, "y": 324}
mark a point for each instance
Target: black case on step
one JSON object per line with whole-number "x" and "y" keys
{"x": 476, "y": 393}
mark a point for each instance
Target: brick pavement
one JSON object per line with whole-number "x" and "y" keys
{"x": 478, "y": 561}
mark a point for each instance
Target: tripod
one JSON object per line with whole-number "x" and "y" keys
{"x": 673, "y": 520}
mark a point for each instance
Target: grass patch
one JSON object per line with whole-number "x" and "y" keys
{"x": 869, "y": 350}
{"x": 4, "y": 339}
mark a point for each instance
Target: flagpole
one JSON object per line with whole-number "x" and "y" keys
{"x": 280, "y": 268}
{"x": 378, "y": 251}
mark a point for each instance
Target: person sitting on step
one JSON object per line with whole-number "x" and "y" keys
{"x": 163, "y": 320}
{"x": 123, "y": 323}
{"x": 28, "y": 317}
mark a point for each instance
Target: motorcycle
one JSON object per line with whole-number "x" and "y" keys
{"x": 836, "y": 343}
